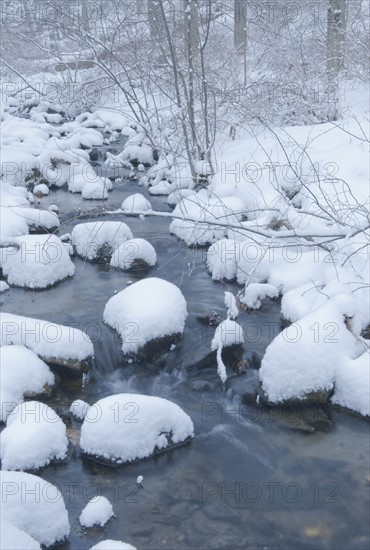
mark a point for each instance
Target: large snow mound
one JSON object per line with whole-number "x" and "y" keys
{"x": 22, "y": 374}
{"x": 34, "y": 436}
{"x": 97, "y": 511}
{"x": 36, "y": 261}
{"x": 96, "y": 239}
{"x": 126, "y": 427}
{"x": 134, "y": 251}
{"x": 136, "y": 202}
{"x": 49, "y": 340}
{"x": 149, "y": 309}
{"x": 13, "y": 538}
{"x": 34, "y": 506}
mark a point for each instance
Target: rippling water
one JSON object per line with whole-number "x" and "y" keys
{"x": 251, "y": 478}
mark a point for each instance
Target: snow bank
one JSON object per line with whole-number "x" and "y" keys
{"x": 149, "y": 309}
{"x": 136, "y": 202}
{"x": 34, "y": 506}
{"x": 34, "y": 436}
{"x": 23, "y": 374}
{"x": 56, "y": 344}
{"x": 126, "y": 427}
{"x": 305, "y": 357}
{"x": 134, "y": 252}
{"x": 36, "y": 261}
{"x": 352, "y": 383}
{"x": 12, "y": 538}
{"x": 95, "y": 239}
{"x": 112, "y": 545}
{"x": 97, "y": 512}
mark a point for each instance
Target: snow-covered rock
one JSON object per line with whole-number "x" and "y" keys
{"x": 176, "y": 196}
{"x": 126, "y": 427}
{"x": 134, "y": 253}
{"x": 13, "y": 538}
{"x": 95, "y": 240}
{"x": 23, "y": 374}
{"x": 34, "y": 436}
{"x": 79, "y": 409}
{"x": 112, "y": 545}
{"x": 352, "y": 382}
{"x": 35, "y": 506}
{"x": 149, "y": 309}
{"x": 40, "y": 190}
{"x": 36, "y": 261}
{"x": 95, "y": 191}
{"x": 98, "y": 511}
{"x": 255, "y": 292}
{"x": 136, "y": 202}
{"x": 55, "y": 344}
{"x": 4, "y": 286}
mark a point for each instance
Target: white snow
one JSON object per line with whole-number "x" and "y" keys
{"x": 34, "y": 436}
{"x": 112, "y": 545}
{"x": 3, "y": 286}
{"x": 79, "y": 409}
{"x": 13, "y": 538}
{"x": 34, "y": 506}
{"x": 132, "y": 250}
{"x": 352, "y": 383}
{"x": 176, "y": 196}
{"x": 255, "y": 292}
{"x": 36, "y": 261}
{"x": 139, "y": 479}
{"x": 136, "y": 202}
{"x": 126, "y": 427}
{"x": 90, "y": 238}
{"x": 41, "y": 189}
{"x": 228, "y": 333}
{"x": 97, "y": 511}
{"x": 49, "y": 340}
{"x": 230, "y": 303}
{"x": 22, "y": 373}
{"x": 149, "y": 309}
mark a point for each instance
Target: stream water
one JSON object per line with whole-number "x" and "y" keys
{"x": 251, "y": 478}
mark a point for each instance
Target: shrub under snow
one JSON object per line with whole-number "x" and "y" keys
{"x": 99, "y": 239}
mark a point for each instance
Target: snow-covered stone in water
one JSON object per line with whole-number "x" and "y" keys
{"x": 34, "y": 436}
{"x": 127, "y": 131}
{"x": 23, "y": 374}
{"x": 134, "y": 253}
{"x": 37, "y": 220}
{"x": 36, "y": 261}
{"x": 176, "y": 196}
{"x": 112, "y": 545}
{"x": 228, "y": 333}
{"x": 136, "y": 203}
{"x": 41, "y": 190}
{"x": 139, "y": 479}
{"x": 230, "y": 303}
{"x": 255, "y": 292}
{"x": 54, "y": 208}
{"x": 35, "y": 506}
{"x": 222, "y": 259}
{"x": 302, "y": 361}
{"x": 126, "y": 427}
{"x": 97, "y": 511}
{"x": 3, "y": 286}
{"x": 56, "y": 344}
{"x": 79, "y": 409}
{"x": 94, "y": 191}
{"x": 147, "y": 310}
{"x": 352, "y": 382}
{"x": 98, "y": 240}
{"x": 13, "y": 538}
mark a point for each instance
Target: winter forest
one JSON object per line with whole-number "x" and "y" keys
{"x": 184, "y": 275}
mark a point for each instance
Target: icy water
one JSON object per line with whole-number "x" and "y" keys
{"x": 251, "y": 478}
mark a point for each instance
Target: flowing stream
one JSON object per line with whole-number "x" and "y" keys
{"x": 252, "y": 477}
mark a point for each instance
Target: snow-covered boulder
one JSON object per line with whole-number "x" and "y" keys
{"x": 176, "y": 196}
{"x": 40, "y": 190}
{"x": 35, "y": 506}
{"x": 56, "y": 344}
{"x": 148, "y": 310}
{"x": 98, "y": 511}
{"x": 95, "y": 191}
{"x": 23, "y": 374}
{"x": 127, "y": 427}
{"x": 36, "y": 261}
{"x": 134, "y": 253}
{"x": 301, "y": 362}
{"x": 79, "y": 408}
{"x": 34, "y": 436}
{"x": 255, "y": 292}
{"x": 112, "y": 545}
{"x": 352, "y": 382}
{"x": 13, "y": 538}
{"x": 98, "y": 240}
{"x": 136, "y": 202}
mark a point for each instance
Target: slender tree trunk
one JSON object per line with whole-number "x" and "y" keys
{"x": 336, "y": 33}
{"x": 240, "y": 33}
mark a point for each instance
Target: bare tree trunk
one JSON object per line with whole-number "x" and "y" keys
{"x": 191, "y": 15}
{"x": 240, "y": 33}
{"x": 336, "y": 33}
{"x": 155, "y": 19}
